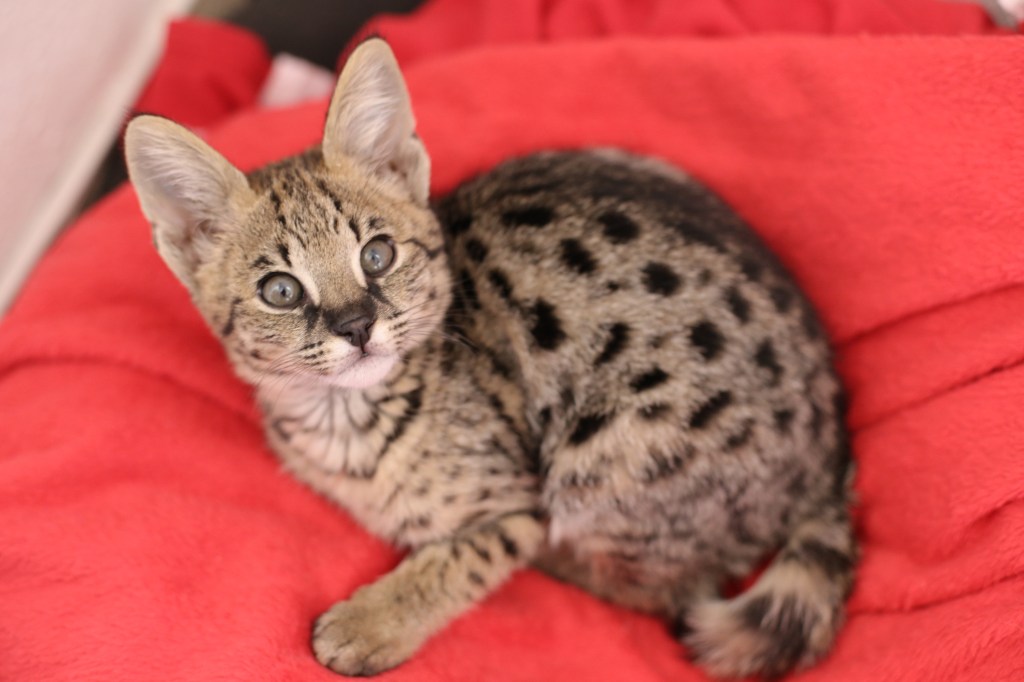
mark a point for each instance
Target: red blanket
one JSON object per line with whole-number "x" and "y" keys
{"x": 146, "y": 532}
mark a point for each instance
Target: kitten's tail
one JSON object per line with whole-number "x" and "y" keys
{"x": 790, "y": 616}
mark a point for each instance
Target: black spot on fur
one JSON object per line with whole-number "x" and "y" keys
{"x": 261, "y": 262}
{"x": 467, "y": 290}
{"x": 654, "y": 411}
{"x": 797, "y": 486}
{"x": 663, "y": 464}
{"x": 698, "y": 234}
{"x": 751, "y": 269}
{"x": 840, "y": 403}
{"x": 498, "y": 364}
{"x": 354, "y": 227}
{"x": 577, "y": 480}
{"x": 459, "y": 224}
{"x": 783, "y": 420}
{"x": 283, "y": 250}
{"x": 782, "y": 297}
{"x": 834, "y": 563}
{"x": 326, "y": 191}
{"x": 709, "y": 409}
{"x": 659, "y": 278}
{"x": 567, "y": 396}
{"x": 618, "y": 338}
{"x": 377, "y": 293}
{"x": 784, "y": 621}
{"x": 577, "y": 257}
{"x": 681, "y": 629}
{"x": 586, "y": 427}
{"x": 648, "y": 380}
{"x": 534, "y": 216}
{"x": 476, "y": 250}
{"x": 508, "y": 545}
{"x": 704, "y": 278}
{"x": 706, "y": 337}
{"x": 817, "y": 420}
{"x": 229, "y": 326}
{"x": 473, "y": 516}
{"x": 544, "y": 417}
{"x": 756, "y": 611}
{"x": 765, "y": 357}
{"x": 448, "y": 357}
{"x": 501, "y": 284}
{"x": 421, "y": 521}
{"x": 809, "y": 321}
{"x": 279, "y": 428}
{"x": 618, "y": 228}
{"x": 739, "y": 526}
{"x": 481, "y": 552}
{"x": 739, "y": 305}
{"x": 741, "y": 437}
{"x": 414, "y": 401}
{"x": 312, "y": 315}
{"x": 475, "y": 578}
{"x": 843, "y": 461}
{"x": 547, "y": 328}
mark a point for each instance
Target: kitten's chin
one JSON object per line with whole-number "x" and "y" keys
{"x": 365, "y": 372}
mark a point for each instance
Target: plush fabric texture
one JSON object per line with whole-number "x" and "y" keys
{"x": 147, "y": 533}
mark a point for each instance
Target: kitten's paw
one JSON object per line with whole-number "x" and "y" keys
{"x": 358, "y": 638}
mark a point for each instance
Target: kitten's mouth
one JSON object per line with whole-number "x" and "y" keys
{"x": 366, "y": 368}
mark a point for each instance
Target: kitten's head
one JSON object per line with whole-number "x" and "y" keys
{"x": 327, "y": 266}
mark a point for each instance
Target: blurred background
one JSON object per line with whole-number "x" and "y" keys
{"x": 71, "y": 72}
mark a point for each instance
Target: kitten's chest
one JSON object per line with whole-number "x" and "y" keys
{"x": 399, "y": 471}
{"x": 330, "y": 431}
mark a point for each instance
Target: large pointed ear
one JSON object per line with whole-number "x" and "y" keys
{"x": 370, "y": 121}
{"x": 189, "y": 192}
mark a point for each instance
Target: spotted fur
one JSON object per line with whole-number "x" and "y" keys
{"x": 578, "y": 360}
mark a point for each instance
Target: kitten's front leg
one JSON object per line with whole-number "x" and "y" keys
{"x": 384, "y": 623}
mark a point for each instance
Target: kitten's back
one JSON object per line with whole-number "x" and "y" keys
{"x": 678, "y": 380}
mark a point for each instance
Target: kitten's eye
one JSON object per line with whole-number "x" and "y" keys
{"x": 377, "y": 256}
{"x": 281, "y": 290}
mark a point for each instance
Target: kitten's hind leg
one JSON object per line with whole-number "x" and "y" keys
{"x": 384, "y": 623}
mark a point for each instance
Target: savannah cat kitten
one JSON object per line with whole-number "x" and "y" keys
{"x": 582, "y": 361}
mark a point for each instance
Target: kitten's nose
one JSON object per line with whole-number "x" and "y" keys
{"x": 356, "y": 330}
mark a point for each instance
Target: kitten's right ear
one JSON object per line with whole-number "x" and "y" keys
{"x": 370, "y": 121}
{"x": 189, "y": 192}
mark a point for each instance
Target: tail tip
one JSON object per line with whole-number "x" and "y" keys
{"x": 766, "y": 634}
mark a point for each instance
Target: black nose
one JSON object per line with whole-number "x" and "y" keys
{"x": 355, "y": 330}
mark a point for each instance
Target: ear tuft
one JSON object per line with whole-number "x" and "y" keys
{"x": 370, "y": 121}
{"x": 189, "y": 192}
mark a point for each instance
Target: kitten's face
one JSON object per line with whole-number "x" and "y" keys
{"x": 326, "y": 267}
{"x": 328, "y": 278}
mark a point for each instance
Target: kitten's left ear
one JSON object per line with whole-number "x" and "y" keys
{"x": 370, "y": 121}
